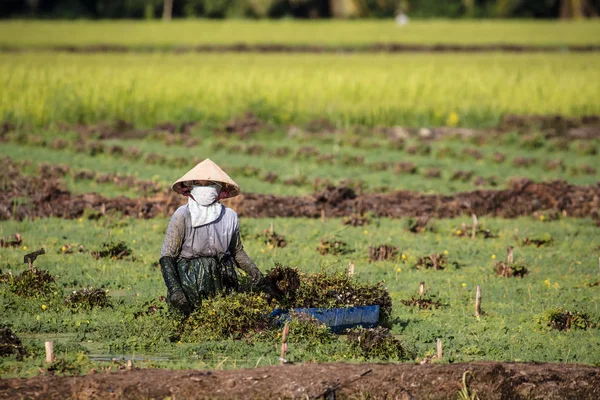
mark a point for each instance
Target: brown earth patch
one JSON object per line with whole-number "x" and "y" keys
{"x": 488, "y": 380}
{"x": 35, "y": 197}
{"x": 552, "y": 126}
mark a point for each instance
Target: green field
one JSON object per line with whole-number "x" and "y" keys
{"x": 38, "y": 34}
{"x": 323, "y": 119}
{"x": 369, "y": 90}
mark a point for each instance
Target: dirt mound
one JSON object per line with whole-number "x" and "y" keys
{"x": 48, "y": 197}
{"x": 523, "y": 198}
{"x": 587, "y": 126}
{"x": 489, "y": 380}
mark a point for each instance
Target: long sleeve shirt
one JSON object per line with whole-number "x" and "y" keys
{"x": 182, "y": 240}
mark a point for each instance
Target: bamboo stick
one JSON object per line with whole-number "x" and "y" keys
{"x": 478, "y": 302}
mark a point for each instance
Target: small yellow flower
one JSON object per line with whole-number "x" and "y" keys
{"x": 179, "y": 342}
{"x": 464, "y": 284}
{"x": 458, "y": 232}
{"x": 24, "y": 247}
{"x": 398, "y": 269}
{"x": 556, "y": 285}
{"x": 262, "y": 250}
{"x": 134, "y": 241}
{"x": 366, "y": 232}
{"x": 453, "y": 119}
{"x": 80, "y": 220}
{"x": 547, "y": 282}
{"x": 44, "y": 306}
{"x": 446, "y": 252}
{"x": 542, "y": 217}
{"x": 493, "y": 256}
{"x": 63, "y": 249}
{"x": 404, "y": 256}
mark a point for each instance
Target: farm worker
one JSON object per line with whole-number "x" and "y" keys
{"x": 202, "y": 245}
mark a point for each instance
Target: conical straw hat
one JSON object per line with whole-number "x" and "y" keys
{"x": 203, "y": 174}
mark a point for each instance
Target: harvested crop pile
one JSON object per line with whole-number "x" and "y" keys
{"x": 356, "y": 220}
{"x": 238, "y": 316}
{"x": 116, "y": 251}
{"x": 377, "y": 343}
{"x": 382, "y": 252}
{"x": 564, "y": 320}
{"x": 434, "y": 261}
{"x": 340, "y": 290}
{"x": 10, "y": 344}
{"x": 420, "y": 224}
{"x": 87, "y": 298}
{"x": 524, "y": 197}
{"x": 424, "y": 303}
{"x": 31, "y": 283}
{"x": 272, "y": 239}
{"x": 538, "y": 241}
{"x": 11, "y": 241}
{"x": 281, "y": 283}
{"x": 509, "y": 270}
{"x": 333, "y": 246}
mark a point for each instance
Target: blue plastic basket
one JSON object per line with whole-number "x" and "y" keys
{"x": 338, "y": 319}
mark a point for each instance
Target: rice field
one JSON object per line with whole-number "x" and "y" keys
{"x": 156, "y": 34}
{"x": 369, "y": 90}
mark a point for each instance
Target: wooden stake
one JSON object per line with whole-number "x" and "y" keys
{"x": 439, "y": 349}
{"x": 284, "y": 336}
{"x": 509, "y": 256}
{"x": 322, "y": 215}
{"x": 351, "y": 268}
{"x": 49, "y": 352}
{"x": 474, "y": 226}
{"x": 478, "y": 301}
{"x": 129, "y": 364}
{"x": 271, "y": 228}
{"x": 422, "y": 289}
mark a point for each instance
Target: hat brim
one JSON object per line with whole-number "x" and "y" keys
{"x": 203, "y": 174}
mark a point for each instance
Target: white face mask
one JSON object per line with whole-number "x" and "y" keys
{"x": 205, "y": 195}
{"x": 203, "y": 204}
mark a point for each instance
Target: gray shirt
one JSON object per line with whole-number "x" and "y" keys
{"x": 182, "y": 240}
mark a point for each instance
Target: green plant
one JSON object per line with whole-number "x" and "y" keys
{"x": 377, "y": 343}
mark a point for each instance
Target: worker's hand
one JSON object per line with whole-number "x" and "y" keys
{"x": 179, "y": 301}
{"x": 257, "y": 276}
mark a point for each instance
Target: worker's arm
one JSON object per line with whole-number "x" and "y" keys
{"x": 168, "y": 262}
{"x": 243, "y": 260}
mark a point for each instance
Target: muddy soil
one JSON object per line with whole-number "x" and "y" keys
{"x": 489, "y": 380}
{"x": 285, "y": 48}
{"x": 553, "y": 125}
{"x": 34, "y": 197}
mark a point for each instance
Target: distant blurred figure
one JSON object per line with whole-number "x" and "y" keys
{"x": 402, "y": 18}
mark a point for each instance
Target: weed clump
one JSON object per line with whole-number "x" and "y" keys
{"x": 333, "y": 246}
{"x": 563, "y": 320}
{"x": 10, "y": 344}
{"x": 382, "y": 252}
{"x": 70, "y": 249}
{"x": 356, "y": 220}
{"x": 506, "y": 270}
{"x": 240, "y": 315}
{"x": 88, "y": 298}
{"x": 32, "y": 283}
{"x": 377, "y": 343}
{"x": 434, "y": 261}
{"x": 114, "y": 250}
